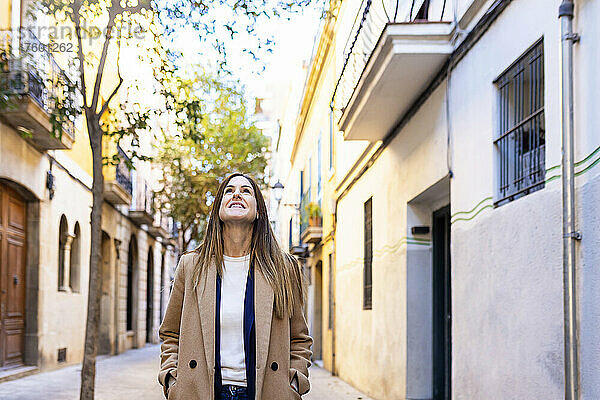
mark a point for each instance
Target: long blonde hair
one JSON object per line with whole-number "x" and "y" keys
{"x": 280, "y": 269}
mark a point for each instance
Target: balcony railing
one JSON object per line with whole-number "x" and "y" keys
{"x": 162, "y": 225}
{"x": 142, "y": 205}
{"x": 33, "y": 85}
{"x": 304, "y": 212}
{"x": 369, "y": 24}
{"x": 118, "y": 187}
{"x": 311, "y": 229}
{"x": 123, "y": 173}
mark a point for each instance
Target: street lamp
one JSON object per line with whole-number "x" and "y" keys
{"x": 278, "y": 191}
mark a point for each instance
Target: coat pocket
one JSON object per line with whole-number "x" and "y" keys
{"x": 294, "y": 395}
{"x": 172, "y": 393}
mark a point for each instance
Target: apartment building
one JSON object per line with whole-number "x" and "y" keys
{"x": 448, "y": 257}
{"x": 45, "y": 202}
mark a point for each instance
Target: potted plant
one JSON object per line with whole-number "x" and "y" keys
{"x": 314, "y": 214}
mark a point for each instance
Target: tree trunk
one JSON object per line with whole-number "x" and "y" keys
{"x": 88, "y": 370}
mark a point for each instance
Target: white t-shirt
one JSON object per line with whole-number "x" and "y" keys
{"x": 233, "y": 291}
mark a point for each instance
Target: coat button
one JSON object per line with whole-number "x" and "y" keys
{"x": 193, "y": 364}
{"x": 274, "y": 366}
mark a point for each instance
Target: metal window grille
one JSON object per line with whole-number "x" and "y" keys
{"x": 520, "y": 143}
{"x": 368, "y": 267}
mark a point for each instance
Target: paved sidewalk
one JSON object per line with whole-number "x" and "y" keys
{"x": 327, "y": 387}
{"x": 132, "y": 376}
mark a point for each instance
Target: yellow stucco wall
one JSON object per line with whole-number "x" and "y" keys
{"x": 81, "y": 152}
{"x": 5, "y": 10}
{"x": 315, "y": 116}
{"x": 354, "y": 348}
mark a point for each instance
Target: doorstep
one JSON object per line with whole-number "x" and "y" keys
{"x": 9, "y": 374}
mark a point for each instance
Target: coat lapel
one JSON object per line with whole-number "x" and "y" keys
{"x": 206, "y": 294}
{"x": 263, "y": 312}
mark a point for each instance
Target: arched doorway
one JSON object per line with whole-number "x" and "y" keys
{"x": 318, "y": 313}
{"x": 104, "y": 340}
{"x": 150, "y": 296}
{"x": 13, "y": 222}
{"x": 132, "y": 295}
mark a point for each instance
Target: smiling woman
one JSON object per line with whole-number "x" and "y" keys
{"x": 246, "y": 336}
{"x": 238, "y": 205}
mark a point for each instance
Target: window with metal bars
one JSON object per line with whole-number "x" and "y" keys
{"x": 368, "y": 267}
{"x": 521, "y": 140}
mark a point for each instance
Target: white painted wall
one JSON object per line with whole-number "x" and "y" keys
{"x": 376, "y": 348}
{"x": 587, "y": 138}
{"x": 506, "y": 261}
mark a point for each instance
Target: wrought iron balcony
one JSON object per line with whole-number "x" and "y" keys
{"x": 312, "y": 233}
{"x": 311, "y": 230}
{"x": 393, "y": 51}
{"x": 118, "y": 187}
{"x": 303, "y": 212}
{"x": 31, "y": 85}
{"x": 142, "y": 204}
{"x": 161, "y": 226}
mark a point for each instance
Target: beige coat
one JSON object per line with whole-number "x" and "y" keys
{"x": 188, "y": 334}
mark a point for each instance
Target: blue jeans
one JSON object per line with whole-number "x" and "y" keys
{"x": 230, "y": 392}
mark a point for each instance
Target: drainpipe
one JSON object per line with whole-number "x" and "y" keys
{"x": 570, "y": 235}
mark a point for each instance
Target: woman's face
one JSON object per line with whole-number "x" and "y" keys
{"x": 239, "y": 202}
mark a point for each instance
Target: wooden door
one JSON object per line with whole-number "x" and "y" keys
{"x": 12, "y": 277}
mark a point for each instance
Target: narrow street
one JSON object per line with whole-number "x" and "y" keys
{"x": 132, "y": 376}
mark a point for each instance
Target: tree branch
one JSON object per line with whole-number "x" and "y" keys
{"x": 77, "y": 21}
{"x": 114, "y": 92}
{"x": 114, "y": 10}
{"x": 117, "y": 9}
{"x": 137, "y": 8}
{"x": 103, "y": 56}
{"x": 116, "y": 89}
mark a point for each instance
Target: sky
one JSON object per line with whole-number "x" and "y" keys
{"x": 293, "y": 43}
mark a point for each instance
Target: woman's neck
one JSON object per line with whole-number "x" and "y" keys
{"x": 237, "y": 239}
